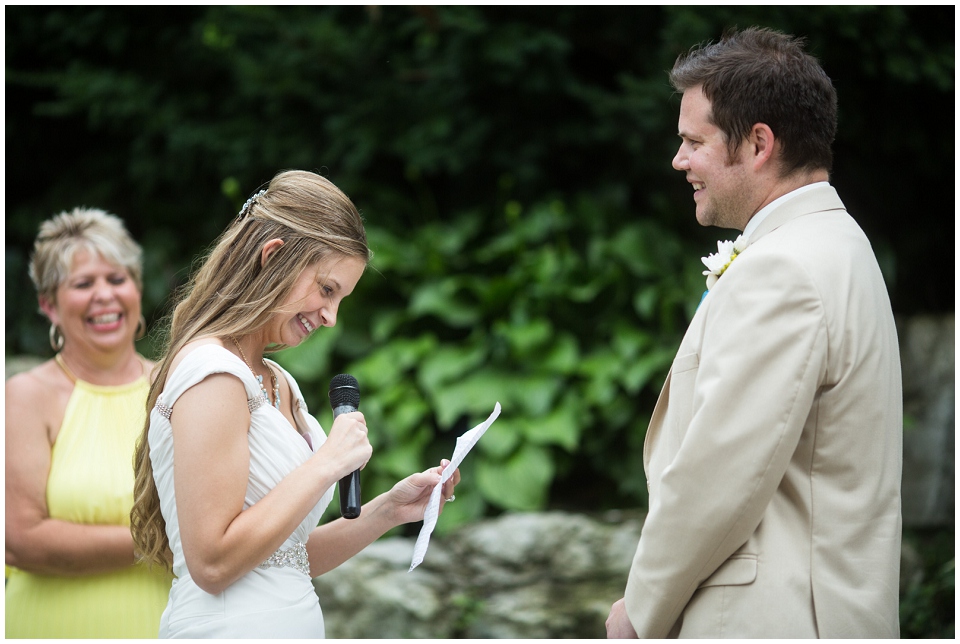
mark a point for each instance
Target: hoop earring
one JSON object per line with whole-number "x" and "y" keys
{"x": 141, "y": 328}
{"x": 56, "y": 337}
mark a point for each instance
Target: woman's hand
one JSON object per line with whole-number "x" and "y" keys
{"x": 347, "y": 448}
{"x": 336, "y": 541}
{"x": 408, "y": 498}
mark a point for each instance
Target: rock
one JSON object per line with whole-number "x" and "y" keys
{"x": 547, "y": 575}
{"x": 927, "y": 350}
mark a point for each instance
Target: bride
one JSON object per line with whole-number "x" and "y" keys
{"x": 232, "y": 473}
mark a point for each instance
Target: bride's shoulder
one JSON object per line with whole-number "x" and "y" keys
{"x": 196, "y": 343}
{"x": 197, "y": 347}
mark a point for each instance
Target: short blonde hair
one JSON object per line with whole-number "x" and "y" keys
{"x": 90, "y": 229}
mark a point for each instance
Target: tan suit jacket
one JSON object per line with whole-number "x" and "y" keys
{"x": 774, "y": 453}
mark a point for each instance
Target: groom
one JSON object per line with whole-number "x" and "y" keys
{"x": 773, "y": 456}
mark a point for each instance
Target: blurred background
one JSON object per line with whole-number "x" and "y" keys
{"x": 532, "y": 244}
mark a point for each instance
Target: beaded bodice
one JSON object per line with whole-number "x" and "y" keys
{"x": 276, "y": 448}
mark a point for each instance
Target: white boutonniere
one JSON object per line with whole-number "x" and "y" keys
{"x": 718, "y": 262}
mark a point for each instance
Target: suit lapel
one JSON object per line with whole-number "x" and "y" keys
{"x": 655, "y": 425}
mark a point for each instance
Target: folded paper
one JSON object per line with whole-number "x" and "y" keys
{"x": 465, "y": 443}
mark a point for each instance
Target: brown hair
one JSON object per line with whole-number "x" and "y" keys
{"x": 763, "y": 76}
{"x": 231, "y": 294}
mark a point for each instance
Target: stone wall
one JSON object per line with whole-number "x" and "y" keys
{"x": 544, "y": 575}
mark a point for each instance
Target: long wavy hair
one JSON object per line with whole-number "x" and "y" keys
{"x": 231, "y": 294}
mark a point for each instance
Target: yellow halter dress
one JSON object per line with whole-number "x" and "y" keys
{"x": 91, "y": 482}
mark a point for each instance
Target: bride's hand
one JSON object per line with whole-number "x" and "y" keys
{"x": 347, "y": 447}
{"x": 409, "y": 497}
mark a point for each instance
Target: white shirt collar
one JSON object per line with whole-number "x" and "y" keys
{"x": 756, "y": 220}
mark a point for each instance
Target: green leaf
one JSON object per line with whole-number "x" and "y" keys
{"x": 502, "y": 437}
{"x": 645, "y": 301}
{"x": 404, "y": 458}
{"x": 535, "y": 393}
{"x": 473, "y": 396}
{"x": 525, "y": 337}
{"x": 408, "y": 414}
{"x": 448, "y": 362}
{"x": 563, "y": 357}
{"x": 639, "y": 371}
{"x": 518, "y": 483}
{"x": 628, "y": 340}
{"x": 384, "y": 325}
{"x": 631, "y": 246}
{"x": 389, "y": 363}
{"x": 560, "y": 427}
{"x": 444, "y": 300}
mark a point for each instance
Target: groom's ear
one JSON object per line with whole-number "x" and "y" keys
{"x": 762, "y": 144}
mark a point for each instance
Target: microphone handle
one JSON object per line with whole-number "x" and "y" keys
{"x": 350, "y": 495}
{"x": 350, "y": 484}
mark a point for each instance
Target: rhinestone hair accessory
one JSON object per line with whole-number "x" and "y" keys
{"x": 249, "y": 202}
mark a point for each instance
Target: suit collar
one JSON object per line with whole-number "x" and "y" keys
{"x": 814, "y": 200}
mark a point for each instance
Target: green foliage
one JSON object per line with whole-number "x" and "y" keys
{"x": 928, "y": 604}
{"x": 928, "y": 608}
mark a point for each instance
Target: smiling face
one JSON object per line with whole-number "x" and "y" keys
{"x": 723, "y": 187}
{"x": 315, "y": 299}
{"x": 97, "y": 306}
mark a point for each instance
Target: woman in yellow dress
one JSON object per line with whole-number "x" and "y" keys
{"x": 71, "y": 426}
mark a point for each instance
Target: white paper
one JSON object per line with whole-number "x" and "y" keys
{"x": 464, "y": 444}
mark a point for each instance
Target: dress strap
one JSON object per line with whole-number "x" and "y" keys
{"x": 73, "y": 377}
{"x": 163, "y": 409}
{"x": 66, "y": 369}
{"x": 201, "y": 362}
{"x": 255, "y": 403}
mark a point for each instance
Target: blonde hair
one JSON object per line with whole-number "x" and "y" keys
{"x": 231, "y": 294}
{"x": 90, "y": 229}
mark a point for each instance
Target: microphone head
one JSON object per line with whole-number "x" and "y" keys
{"x": 344, "y": 391}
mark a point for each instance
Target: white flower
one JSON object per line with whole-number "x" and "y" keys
{"x": 718, "y": 262}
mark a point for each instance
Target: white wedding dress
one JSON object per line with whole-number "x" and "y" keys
{"x": 276, "y": 599}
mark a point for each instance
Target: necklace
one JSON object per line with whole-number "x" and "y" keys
{"x": 73, "y": 378}
{"x": 273, "y": 377}
{"x": 66, "y": 370}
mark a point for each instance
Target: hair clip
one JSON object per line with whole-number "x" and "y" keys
{"x": 249, "y": 203}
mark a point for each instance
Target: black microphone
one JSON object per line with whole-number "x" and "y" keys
{"x": 345, "y": 398}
